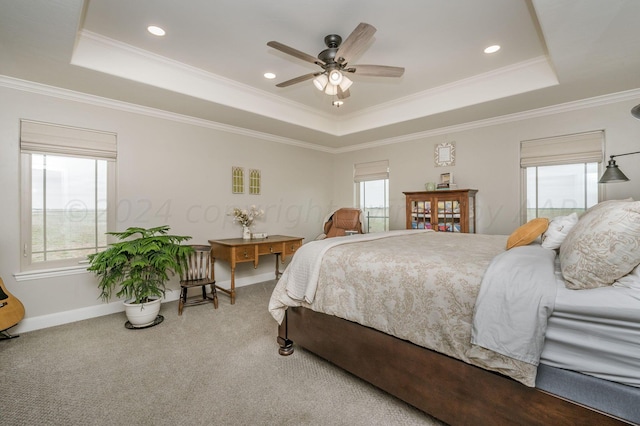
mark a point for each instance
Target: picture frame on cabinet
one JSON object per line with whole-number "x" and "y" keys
{"x": 446, "y": 178}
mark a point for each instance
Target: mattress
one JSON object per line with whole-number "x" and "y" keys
{"x": 596, "y": 332}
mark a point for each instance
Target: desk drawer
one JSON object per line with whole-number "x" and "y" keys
{"x": 245, "y": 254}
{"x": 290, "y": 247}
{"x": 270, "y": 248}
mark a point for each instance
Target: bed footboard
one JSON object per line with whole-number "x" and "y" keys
{"x": 446, "y": 388}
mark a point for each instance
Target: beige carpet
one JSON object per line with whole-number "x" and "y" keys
{"x": 207, "y": 367}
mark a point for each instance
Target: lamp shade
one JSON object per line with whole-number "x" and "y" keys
{"x": 321, "y": 81}
{"x": 613, "y": 174}
{"x": 335, "y": 77}
{"x": 346, "y": 83}
{"x": 331, "y": 90}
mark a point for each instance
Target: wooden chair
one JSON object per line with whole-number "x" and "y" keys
{"x": 197, "y": 272}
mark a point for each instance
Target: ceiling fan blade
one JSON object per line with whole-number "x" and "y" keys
{"x": 343, "y": 94}
{"x": 376, "y": 70}
{"x": 298, "y": 79}
{"x": 355, "y": 43}
{"x": 294, "y": 52}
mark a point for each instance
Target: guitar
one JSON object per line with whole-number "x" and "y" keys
{"x": 11, "y": 309}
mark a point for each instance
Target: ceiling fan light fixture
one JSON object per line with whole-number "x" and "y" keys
{"x": 335, "y": 77}
{"x": 321, "y": 81}
{"x": 346, "y": 83}
{"x": 331, "y": 90}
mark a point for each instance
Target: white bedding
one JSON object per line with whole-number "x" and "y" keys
{"x": 419, "y": 286}
{"x": 515, "y": 300}
{"x": 596, "y": 332}
{"x": 302, "y": 275}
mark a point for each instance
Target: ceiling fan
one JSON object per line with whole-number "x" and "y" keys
{"x": 334, "y": 62}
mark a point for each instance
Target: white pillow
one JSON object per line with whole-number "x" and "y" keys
{"x": 603, "y": 246}
{"x": 557, "y": 231}
{"x": 631, "y": 280}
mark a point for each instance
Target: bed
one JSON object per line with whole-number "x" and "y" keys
{"x": 472, "y": 333}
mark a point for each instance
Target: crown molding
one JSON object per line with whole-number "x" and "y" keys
{"x": 518, "y": 78}
{"x": 99, "y": 53}
{"x": 509, "y": 118}
{"x": 70, "y": 95}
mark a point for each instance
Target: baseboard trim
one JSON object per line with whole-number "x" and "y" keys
{"x": 66, "y": 317}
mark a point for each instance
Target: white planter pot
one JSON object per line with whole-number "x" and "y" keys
{"x": 142, "y": 315}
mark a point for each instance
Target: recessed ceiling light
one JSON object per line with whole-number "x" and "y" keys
{"x": 157, "y": 31}
{"x": 492, "y": 49}
{"x": 269, "y": 75}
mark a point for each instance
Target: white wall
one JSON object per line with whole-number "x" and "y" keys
{"x": 169, "y": 172}
{"x": 179, "y": 173}
{"x": 487, "y": 159}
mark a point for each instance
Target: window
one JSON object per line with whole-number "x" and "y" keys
{"x": 560, "y": 175}
{"x": 372, "y": 194}
{"x": 68, "y": 193}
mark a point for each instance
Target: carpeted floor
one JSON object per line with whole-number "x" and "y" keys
{"x": 207, "y": 367}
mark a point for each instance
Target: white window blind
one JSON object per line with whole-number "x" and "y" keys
{"x": 569, "y": 149}
{"x": 37, "y": 137}
{"x": 374, "y": 170}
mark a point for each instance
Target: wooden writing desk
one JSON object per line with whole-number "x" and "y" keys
{"x": 238, "y": 250}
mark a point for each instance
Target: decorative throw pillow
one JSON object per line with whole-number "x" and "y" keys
{"x": 558, "y": 229}
{"x": 528, "y": 232}
{"x": 603, "y": 246}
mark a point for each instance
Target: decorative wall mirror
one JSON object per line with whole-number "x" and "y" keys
{"x": 445, "y": 154}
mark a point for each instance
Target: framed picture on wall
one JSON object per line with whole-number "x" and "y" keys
{"x": 237, "y": 180}
{"x": 254, "y": 181}
{"x": 445, "y": 154}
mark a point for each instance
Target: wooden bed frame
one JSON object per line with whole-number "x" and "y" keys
{"x": 451, "y": 390}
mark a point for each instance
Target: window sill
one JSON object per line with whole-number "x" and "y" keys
{"x": 50, "y": 273}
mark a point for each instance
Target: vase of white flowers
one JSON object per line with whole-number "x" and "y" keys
{"x": 245, "y": 218}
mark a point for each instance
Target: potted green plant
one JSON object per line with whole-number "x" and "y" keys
{"x": 137, "y": 266}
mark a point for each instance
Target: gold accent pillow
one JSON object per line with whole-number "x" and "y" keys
{"x": 603, "y": 246}
{"x": 528, "y": 232}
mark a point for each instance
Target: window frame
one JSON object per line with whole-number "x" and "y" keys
{"x": 572, "y": 149}
{"x": 524, "y": 189}
{"x": 26, "y": 215}
{"x": 61, "y": 141}
{"x": 358, "y": 193}
{"x": 368, "y": 172}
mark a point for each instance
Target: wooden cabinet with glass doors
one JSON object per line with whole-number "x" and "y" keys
{"x": 446, "y": 211}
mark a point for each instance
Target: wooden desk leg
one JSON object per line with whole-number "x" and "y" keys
{"x": 232, "y": 291}
{"x": 277, "y": 264}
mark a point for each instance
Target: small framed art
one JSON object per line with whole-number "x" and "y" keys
{"x": 237, "y": 180}
{"x": 254, "y": 181}
{"x": 445, "y": 154}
